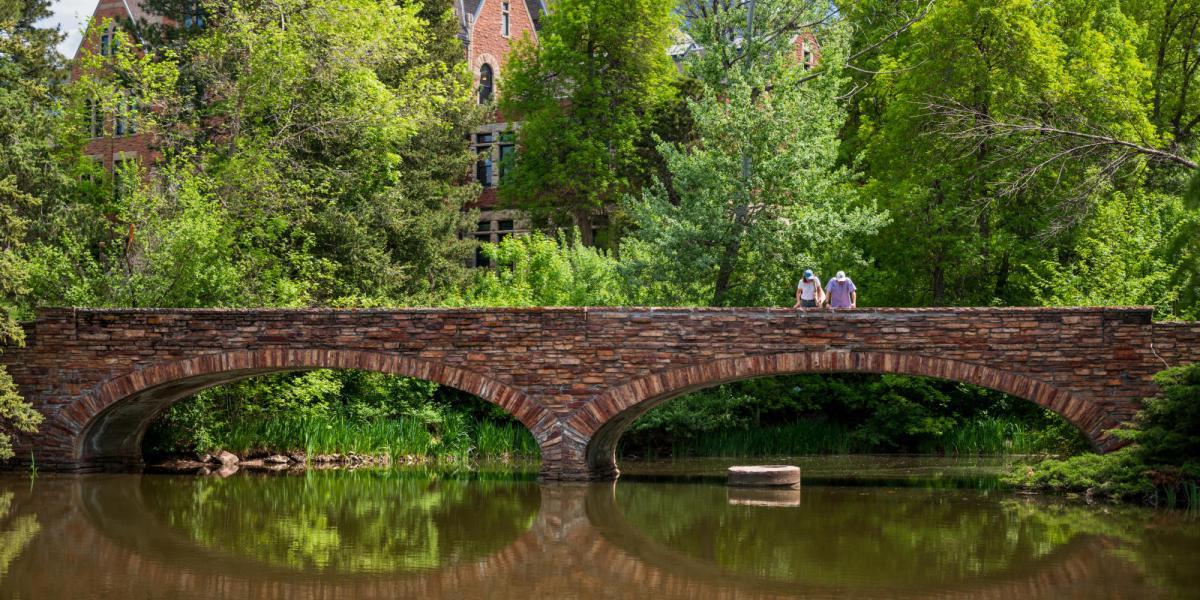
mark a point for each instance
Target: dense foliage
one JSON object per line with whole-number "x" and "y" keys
{"x": 1161, "y": 467}
{"x": 332, "y": 412}
{"x": 537, "y": 270}
{"x": 973, "y": 216}
{"x": 818, "y": 414}
{"x": 301, "y": 181}
{"x": 33, "y": 146}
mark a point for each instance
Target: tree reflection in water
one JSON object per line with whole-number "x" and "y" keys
{"x": 370, "y": 521}
{"x": 364, "y": 535}
{"x": 15, "y": 532}
{"x": 890, "y": 538}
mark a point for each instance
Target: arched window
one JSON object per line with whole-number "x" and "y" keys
{"x": 485, "y": 83}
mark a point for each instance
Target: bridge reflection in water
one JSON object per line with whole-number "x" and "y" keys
{"x": 331, "y": 536}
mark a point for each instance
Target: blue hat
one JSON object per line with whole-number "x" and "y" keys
{"x": 807, "y": 273}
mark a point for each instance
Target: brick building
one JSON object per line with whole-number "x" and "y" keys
{"x": 113, "y": 135}
{"x": 488, "y": 29}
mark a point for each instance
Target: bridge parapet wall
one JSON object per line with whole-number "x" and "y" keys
{"x": 1177, "y": 343}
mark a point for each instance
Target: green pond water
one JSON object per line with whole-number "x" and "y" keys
{"x": 667, "y": 530}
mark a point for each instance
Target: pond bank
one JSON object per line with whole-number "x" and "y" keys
{"x": 850, "y": 469}
{"x": 224, "y": 464}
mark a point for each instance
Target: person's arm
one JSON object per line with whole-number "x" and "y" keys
{"x": 854, "y": 299}
{"x": 819, "y": 295}
{"x": 797, "y": 304}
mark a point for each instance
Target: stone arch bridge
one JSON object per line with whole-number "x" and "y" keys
{"x": 576, "y": 377}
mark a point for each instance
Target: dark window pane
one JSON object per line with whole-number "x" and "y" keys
{"x": 484, "y": 226}
{"x": 481, "y": 259}
{"x": 485, "y": 84}
{"x": 506, "y": 160}
{"x": 505, "y": 225}
{"x": 130, "y": 120}
{"x": 483, "y": 172}
{"x": 193, "y": 16}
{"x": 484, "y": 138}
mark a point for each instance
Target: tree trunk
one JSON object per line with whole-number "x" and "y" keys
{"x": 939, "y": 283}
{"x": 725, "y": 271}
{"x": 729, "y": 257}
{"x": 583, "y": 220}
{"x": 1002, "y": 276}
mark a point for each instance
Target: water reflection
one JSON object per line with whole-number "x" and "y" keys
{"x": 866, "y": 538}
{"x": 387, "y": 534}
{"x": 353, "y": 522}
{"x": 15, "y": 532}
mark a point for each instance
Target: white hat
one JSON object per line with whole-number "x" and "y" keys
{"x": 841, "y": 275}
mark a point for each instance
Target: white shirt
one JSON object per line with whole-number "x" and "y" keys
{"x": 808, "y": 289}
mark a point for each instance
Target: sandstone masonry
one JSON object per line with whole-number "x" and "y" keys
{"x": 576, "y": 377}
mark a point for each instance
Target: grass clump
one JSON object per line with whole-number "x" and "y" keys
{"x": 453, "y": 437}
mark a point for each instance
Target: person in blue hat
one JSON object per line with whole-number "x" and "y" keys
{"x": 809, "y": 293}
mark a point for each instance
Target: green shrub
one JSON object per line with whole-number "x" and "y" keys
{"x": 1119, "y": 475}
{"x": 1161, "y": 467}
{"x": 1169, "y": 426}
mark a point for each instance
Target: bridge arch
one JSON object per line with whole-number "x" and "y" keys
{"x": 602, "y": 422}
{"x": 107, "y": 426}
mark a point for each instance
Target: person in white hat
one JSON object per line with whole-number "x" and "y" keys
{"x": 808, "y": 291}
{"x": 841, "y": 292}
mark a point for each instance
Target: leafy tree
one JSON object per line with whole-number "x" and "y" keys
{"x": 758, "y": 193}
{"x": 536, "y": 270}
{"x": 171, "y": 246}
{"x": 295, "y": 180}
{"x": 320, "y": 172}
{"x": 139, "y": 239}
{"x": 32, "y": 152}
{"x": 970, "y": 202}
{"x": 1117, "y": 257}
{"x": 586, "y": 95}
{"x": 332, "y": 144}
{"x": 1183, "y": 251}
{"x": 1167, "y": 47}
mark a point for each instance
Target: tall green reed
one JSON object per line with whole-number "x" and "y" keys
{"x": 983, "y": 436}
{"x": 454, "y": 436}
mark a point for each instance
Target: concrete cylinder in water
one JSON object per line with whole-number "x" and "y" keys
{"x": 764, "y": 476}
